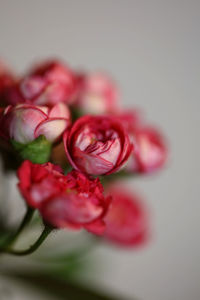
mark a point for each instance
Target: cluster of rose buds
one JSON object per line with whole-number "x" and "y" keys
{"x": 54, "y": 114}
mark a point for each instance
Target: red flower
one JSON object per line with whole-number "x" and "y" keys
{"x": 97, "y": 94}
{"x": 39, "y": 183}
{"x": 73, "y": 200}
{"x": 49, "y": 83}
{"x": 25, "y": 122}
{"x": 150, "y": 151}
{"x": 6, "y": 80}
{"x": 126, "y": 220}
{"x": 97, "y": 145}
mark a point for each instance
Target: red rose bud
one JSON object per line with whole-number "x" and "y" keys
{"x": 38, "y": 183}
{"x": 127, "y": 219}
{"x": 31, "y": 130}
{"x": 97, "y": 94}
{"x": 131, "y": 120}
{"x": 24, "y": 123}
{"x": 97, "y": 145}
{"x": 6, "y": 80}
{"x": 150, "y": 151}
{"x": 67, "y": 201}
{"x": 47, "y": 84}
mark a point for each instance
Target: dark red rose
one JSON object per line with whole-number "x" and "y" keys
{"x": 97, "y": 145}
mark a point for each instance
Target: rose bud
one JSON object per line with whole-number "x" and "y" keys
{"x": 97, "y": 94}
{"x": 73, "y": 200}
{"x": 47, "y": 84}
{"x": 32, "y": 129}
{"x": 37, "y": 183}
{"x": 127, "y": 219}
{"x": 26, "y": 123}
{"x": 150, "y": 151}
{"x": 6, "y": 80}
{"x": 97, "y": 145}
{"x": 131, "y": 120}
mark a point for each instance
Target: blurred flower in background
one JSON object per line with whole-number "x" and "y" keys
{"x": 47, "y": 83}
{"x": 96, "y": 94}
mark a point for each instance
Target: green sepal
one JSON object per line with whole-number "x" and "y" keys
{"x": 37, "y": 151}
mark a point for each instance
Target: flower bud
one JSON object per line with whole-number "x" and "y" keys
{"x": 49, "y": 83}
{"x": 127, "y": 219}
{"x": 150, "y": 152}
{"x": 97, "y": 94}
{"x": 25, "y": 123}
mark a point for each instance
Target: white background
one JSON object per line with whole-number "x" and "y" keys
{"x": 152, "y": 48}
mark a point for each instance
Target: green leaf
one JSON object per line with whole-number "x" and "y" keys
{"x": 37, "y": 151}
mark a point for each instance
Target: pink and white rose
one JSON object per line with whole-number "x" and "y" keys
{"x": 25, "y": 123}
{"x": 97, "y": 145}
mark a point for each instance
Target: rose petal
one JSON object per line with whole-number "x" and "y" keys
{"x": 60, "y": 110}
{"x": 93, "y": 164}
{"x": 97, "y": 227}
{"x": 32, "y": 86}
{"x": 52, "y": 128}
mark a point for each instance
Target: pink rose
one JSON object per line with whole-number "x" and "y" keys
{"x": 127, "y": 218}
{"x": 97, "y": 145}
{"x": 150, "y": 153}
{"x": 24, "y": 123}
{"x": 97, "y": 94}
{"x": 48, "y": 83}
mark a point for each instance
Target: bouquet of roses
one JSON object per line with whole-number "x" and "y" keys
{"x": 70, "y": 142}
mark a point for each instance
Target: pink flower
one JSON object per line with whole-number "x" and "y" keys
{"x": 150, "y": 151}
{"x": 73, "y": 200}
{"x": 49, "y": 83}
{"x": 127, "y": 219}
{"x": 97, "y": 145}
{"x": 97, "y": 94}
{"x": 24, "y": 123}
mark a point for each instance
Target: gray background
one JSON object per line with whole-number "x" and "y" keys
{"x": 152, "y": 48}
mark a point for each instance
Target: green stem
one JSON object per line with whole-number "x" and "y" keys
{"x": 47, "y": 230}
{"x": 27, "y": 218}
